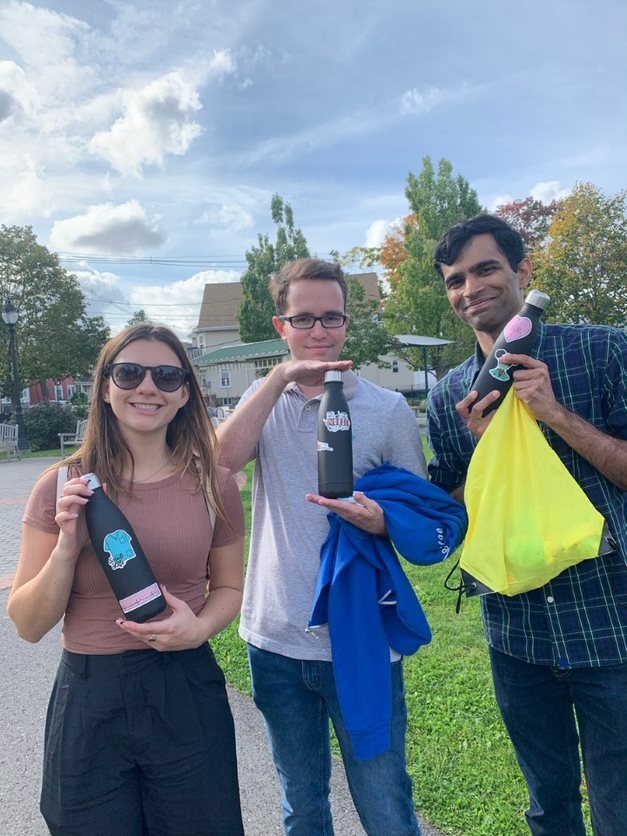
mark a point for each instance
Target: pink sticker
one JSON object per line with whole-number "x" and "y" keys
{"x": 517, "y": 328}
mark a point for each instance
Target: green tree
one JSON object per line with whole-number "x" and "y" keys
{"x": 417, "y": 303}
{"x": 257, "y": 308}
{"x": 583, "y": 267}
{"x": 55, "y": 336}
{"x": 138, "y": 317}
{"x": 367, "y": 341}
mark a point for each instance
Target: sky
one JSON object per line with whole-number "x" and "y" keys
{"x": 143, "y": 139}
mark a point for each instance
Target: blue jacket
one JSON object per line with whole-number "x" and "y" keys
{"x": 367, "y": 600}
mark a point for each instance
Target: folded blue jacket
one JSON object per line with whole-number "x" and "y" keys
{"x": 366, "y": 598}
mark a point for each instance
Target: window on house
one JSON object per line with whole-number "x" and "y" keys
{"x": 58, "y": 392}
{"x": 70, "y": 391}
{"x": 395, "y": 366}
{"x": 225, "y": 378}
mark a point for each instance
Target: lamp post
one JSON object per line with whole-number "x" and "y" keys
{"x": 10, "y": 317}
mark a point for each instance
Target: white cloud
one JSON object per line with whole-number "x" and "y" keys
{"x": 24, "y": 192}
{"x": 422, "y": 100}
{"x": 107, "y": 228}
{"x": 157, "y": 121}
{"x": 549, "y": 191}
{"x": 227, "y": 216}
{"x": 16, "y": 92}
{"x": 376, "y": 232}
{"x": 178, "y": 304}
{"x": 499, "y": 200}
{"x": 53, "y": 47}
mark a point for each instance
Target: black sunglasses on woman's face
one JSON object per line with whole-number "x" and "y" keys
{"x": 130, "y": 375}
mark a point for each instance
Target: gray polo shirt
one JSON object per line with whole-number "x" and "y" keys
{"x": 287, "y": 531}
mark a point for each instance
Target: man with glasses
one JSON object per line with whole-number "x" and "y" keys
{"x": 292, "y": 673}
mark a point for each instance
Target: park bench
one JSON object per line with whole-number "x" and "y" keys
{"x": 73, "y": 439}
{"x": 8, "y": 439}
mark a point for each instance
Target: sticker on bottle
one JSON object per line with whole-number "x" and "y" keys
{"x": 337, "y": 421}
{"x": 119, "y": 546}
{"x": 501, "y": 370}
{"x": 517, "y": 328}
{"x": 138, "y": 599}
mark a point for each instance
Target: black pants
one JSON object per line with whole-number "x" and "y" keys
{"x": 140, "y": 744}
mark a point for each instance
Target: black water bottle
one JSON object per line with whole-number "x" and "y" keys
{"x": 335, "y": 441}
{"x": 121, "y": 556}
{"x": 518, "y": 337}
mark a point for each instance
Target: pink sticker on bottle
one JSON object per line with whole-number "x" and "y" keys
{"x": 517, "y": 328}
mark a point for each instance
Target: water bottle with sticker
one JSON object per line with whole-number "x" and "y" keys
{"x": 121, "y": 556}
{"x": 518, "y": 337}
{"x": 335, "y": 441}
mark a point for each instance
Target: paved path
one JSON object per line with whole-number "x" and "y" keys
{"x": 26, "y": 675}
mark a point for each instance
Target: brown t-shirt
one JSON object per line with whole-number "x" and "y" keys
{"x": 172, "y": 523}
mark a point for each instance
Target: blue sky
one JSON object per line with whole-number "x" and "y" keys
{"x": 140, "y": 131}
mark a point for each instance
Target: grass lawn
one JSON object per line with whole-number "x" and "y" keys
{"x": 466, "y": 779}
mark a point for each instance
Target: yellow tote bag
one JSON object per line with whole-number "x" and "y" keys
{"x": 528, "y": 518}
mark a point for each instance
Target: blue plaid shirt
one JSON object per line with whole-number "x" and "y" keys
{"x": 579, "y": 619}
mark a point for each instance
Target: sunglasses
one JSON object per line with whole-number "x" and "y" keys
{"x": 130, "y": 375}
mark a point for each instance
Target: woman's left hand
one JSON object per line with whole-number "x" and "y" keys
{"x": 180, "y": 630}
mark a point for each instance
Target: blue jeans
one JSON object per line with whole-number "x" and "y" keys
{"x": 297, "y": 698}
{"x": 548, "y": 713}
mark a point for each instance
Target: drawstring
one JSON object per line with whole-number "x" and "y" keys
{"x": 460, "y": 588}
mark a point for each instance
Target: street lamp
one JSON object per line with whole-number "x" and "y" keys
{"x": 10, "y": 316}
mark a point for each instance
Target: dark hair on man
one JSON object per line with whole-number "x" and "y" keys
{"x": 508, "y": 240}
{"x": 304, "y": 268}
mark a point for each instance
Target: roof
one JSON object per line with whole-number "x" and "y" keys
{"x": 220, "y": 302}
{"x": 242, "y": 353}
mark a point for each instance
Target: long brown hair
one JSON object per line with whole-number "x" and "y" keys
{"x": 190, "y": 434}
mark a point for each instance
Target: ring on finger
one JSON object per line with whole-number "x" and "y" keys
{"x": 152, "y": 638}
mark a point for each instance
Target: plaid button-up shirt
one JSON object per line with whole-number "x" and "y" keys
{"x": 579, "y": 619}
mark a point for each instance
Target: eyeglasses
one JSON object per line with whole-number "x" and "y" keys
{"x": 130, "y": 375}
{"x": 305, "y": 321}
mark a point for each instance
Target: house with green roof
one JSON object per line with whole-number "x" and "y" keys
{"x": 225, "y": 373}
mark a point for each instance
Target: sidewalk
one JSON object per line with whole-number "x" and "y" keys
{"x": 26, "y": 675}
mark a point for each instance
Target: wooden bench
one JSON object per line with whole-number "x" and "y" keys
{"x": 8, "y": 439}
{"x": 74, "y": 439}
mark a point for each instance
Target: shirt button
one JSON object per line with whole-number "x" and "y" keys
{"x": 550, "y": 600}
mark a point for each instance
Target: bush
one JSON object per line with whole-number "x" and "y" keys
{"x": 45, "y": 421}
{"x": 80, "y": 407}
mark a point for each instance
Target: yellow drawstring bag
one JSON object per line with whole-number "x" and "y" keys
{"x": 528, "y": 518}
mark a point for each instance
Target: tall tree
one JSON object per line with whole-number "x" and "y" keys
{"x": 55, "y": 336}
{"x": 367, "y": 341}
{"x": 138, "y": 317}
{"x": 417, "y": 303}
{"x": 583, "y": 267}
{"x": 257, "y": 309}
{"x": 531, "y": 218}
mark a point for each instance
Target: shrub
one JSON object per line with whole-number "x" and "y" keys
{"x": 45, "y": 421}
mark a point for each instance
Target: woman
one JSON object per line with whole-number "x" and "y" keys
{"x": 139, "y": 735}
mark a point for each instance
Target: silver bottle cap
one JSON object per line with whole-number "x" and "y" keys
{"x": 333, "y": 376}
{"x": 538, "y": 299}
{"x": 92, "y": 481}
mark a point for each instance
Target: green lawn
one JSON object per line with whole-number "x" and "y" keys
{"x": 466, "y": 779}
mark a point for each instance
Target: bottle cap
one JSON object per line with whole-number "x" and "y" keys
{"x": 92, "y": 480}
{"x": 538, "y": 299}
{"x": 333, "y": 376}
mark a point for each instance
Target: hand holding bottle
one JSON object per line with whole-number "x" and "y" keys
{"x": 364, "y": 513}
{"x": 181, "y": 629}
{"x": 70, "y": 506}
